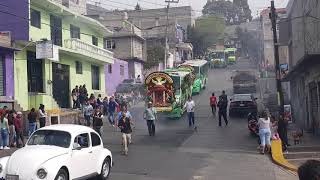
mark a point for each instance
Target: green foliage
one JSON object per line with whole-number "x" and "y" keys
{"x": 155, "y": 56}
{"x": 207, "y": 32}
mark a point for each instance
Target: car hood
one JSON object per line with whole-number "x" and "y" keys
{"x": 26, "y": 161}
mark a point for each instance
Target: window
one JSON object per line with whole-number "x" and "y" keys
{"x": 35, "y": 18}
{"x": 110, "y": 44}
{"x": 110, "y": 68}
{"x": 82, "y": 140}
{"x": 95, "y": 75}
{"x": 95, "y": 139}
{"x": 56, "y": 30}
{"x": 94, "y": 40}
{"x": 121, "y": 70}
{"x": 50, "y": 137}
{"x": 74, "y": 31}
{"x": 35, "y": 74}
{"x": 78, "y": 67}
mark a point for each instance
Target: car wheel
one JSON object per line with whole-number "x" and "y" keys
{"x": 62, "y": 175}
{"x": 105, "y": 169}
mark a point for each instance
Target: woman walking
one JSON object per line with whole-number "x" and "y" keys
{"x": 126, "y": 130}
{"x": 4, "y": 131}
{"x": 264, "y": 133}
{"x": 42, "y": 116}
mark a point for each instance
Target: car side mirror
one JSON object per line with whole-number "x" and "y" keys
{"x": 76, "y": 146}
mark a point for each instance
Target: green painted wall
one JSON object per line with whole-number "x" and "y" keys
{"x": 28, "y": 100}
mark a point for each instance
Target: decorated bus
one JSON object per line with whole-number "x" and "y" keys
{"x": 169, "y": 90}
{"x": 218, "y": 59}
{"x": 230, "y": 54}
{"x": 201, "y": 74}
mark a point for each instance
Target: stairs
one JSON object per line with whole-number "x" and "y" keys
{"x": 299, "y": 154}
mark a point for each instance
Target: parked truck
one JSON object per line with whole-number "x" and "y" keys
{"x": 244, "y": 82}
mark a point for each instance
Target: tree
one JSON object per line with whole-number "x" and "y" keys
{"x": 155, "y": 54}
{"x": 207, "y": 31}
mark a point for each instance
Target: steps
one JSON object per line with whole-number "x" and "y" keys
{"x": 300, "y": 154}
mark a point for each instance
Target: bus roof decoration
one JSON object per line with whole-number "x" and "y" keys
{"x": 159, "y": 89}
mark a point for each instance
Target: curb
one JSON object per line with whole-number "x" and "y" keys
{"x": 278, "y": 158}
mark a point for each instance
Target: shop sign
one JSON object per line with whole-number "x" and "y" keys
{"x": 5, "y": 38}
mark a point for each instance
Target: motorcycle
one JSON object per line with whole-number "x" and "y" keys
{"x": 253, "y": 124}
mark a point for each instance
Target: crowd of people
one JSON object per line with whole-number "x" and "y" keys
{"x": 12, "y": 128}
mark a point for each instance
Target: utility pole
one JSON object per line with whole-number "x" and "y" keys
{"x": 166, "y": 51}
{"x": 273, "y": 17}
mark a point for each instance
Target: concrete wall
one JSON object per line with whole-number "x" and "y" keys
{"x": 113, "y": 79}
{"x": 128, "y": 47}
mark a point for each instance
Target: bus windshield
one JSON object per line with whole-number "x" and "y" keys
{"x": 204, "y": 69}
{"x": 176, "y": 84}
{"x": 231, "y": 53}
{"x": 218, "y": 55}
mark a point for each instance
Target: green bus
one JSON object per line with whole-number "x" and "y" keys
{"x": 201, "y": 68}
{"x": 218, "y": 59}
{"x": 169, "y": 90}
{"x": 230, "y": 54}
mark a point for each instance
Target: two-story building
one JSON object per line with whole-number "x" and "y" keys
{"x": 78, "y": 53}
{"x": 304, "y": 53}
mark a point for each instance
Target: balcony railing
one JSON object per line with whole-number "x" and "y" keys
{"x": 88, "y": 50}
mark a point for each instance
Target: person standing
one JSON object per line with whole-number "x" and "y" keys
{"x": 223, "y": 105}
{"x": 32, "y": 118}
{"x": 126, "y": 130}
{"x": 87, "y": 112}
{"x": 42, "y": 116}
{"x": 112, "y": 110}
{"x": 97, "y": 121}
{"x": 213, "y": 104}
{"x": 4, "y": 131}
{"x": 190, "y": 105}
{"x": 19, "y": 129}
{"x": 12, "y": 131}
{"x": 283, "y": 132}
{"x": 75, "y": 97}
{"x": 264, "y": 133}
{"x": 150, "y": 115}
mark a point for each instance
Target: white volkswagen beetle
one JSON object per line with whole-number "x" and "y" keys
{"x": 59, "y": 152}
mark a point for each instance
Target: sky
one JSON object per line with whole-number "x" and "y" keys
{"x": 255, "y": 5}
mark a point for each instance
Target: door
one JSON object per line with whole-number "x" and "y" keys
{"x": 60, "y": 84}
{"x": 2, "y": 77}
{"x": 313, "y": 104}
{"x": 81, "y": 161}
{"x": 56, "y": 30}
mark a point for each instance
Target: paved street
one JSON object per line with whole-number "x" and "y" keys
{"x": 177, "y": 152}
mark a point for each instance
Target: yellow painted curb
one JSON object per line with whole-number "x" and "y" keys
{"x": 278, "y": 158}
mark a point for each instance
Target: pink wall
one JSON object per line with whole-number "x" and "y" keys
{"x": 114, "y": 78}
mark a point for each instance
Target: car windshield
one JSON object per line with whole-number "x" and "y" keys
{"x": 128, "y": 81}
{"x": 50, "y": 138}
{"x": 242, "y": 97}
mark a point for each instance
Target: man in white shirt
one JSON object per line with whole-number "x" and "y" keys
{"x": 190, "y": 105}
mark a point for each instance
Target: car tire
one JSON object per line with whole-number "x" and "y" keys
{"x": 104, "y": 174}
{"x": 62, "y": 174}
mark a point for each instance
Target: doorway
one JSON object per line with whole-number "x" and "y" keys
{"x": 60, "y": 84}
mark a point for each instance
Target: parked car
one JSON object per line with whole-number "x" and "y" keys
{"x": 242, "y": 103}
{"x": 59, "y": 152}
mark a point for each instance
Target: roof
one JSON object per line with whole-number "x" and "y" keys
{"x": 196, "y": 62}
{"x": 175, "y": 72}
{"x": 71, "y": 128}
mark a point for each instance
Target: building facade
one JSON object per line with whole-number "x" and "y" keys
{"x": 304, "y": 52}
{"x": 6, "y": 69}
{"x": 78, "y": 54}
{"x": 115, "y": 74}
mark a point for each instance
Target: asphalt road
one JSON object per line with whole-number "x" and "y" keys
{"x": 180, "y": 153}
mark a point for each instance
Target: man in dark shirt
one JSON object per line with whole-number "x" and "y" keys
{"x": 223, "y": 105}
{"x": 126, "y": 130}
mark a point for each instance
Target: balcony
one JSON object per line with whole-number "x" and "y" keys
{"x": 90, "y": 51}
